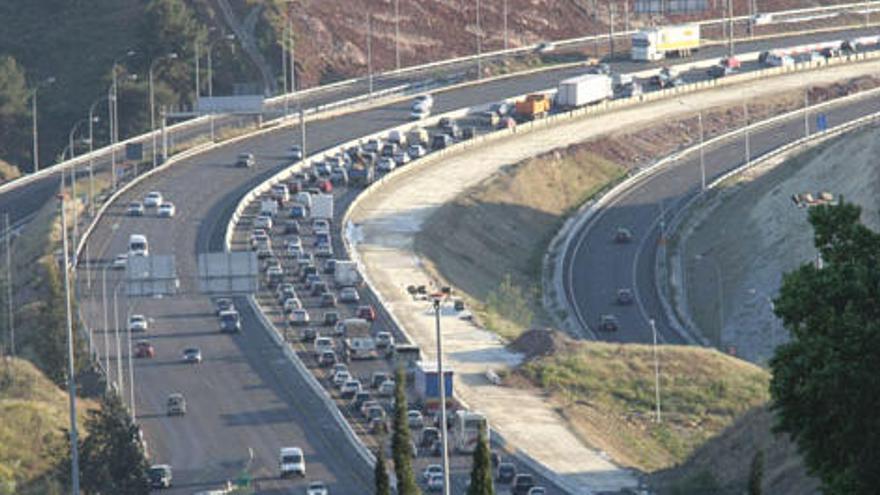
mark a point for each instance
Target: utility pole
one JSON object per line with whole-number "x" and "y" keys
{"x": 71, "y": 378}
{"x": 106, "y": 321}
{"x": 656, "y": 373}
{"x": 611, "y": 28}
{"x": 165, "y": 133}
{"x": 397, "y": 34}
{"x": 9, "y": 304}
{"x": 302, "y": 128}
{"x": 111, "y": 103}
{"x": 198, "y": 77}
{"x": 291, "y": 43}
{"x": 370, "y": 52}
{"x": 807, "y": 112}
{"x": 441, "y": 387}
{"x": 120, "y": 385}
{"x": 479, "y": 44}
{"x": 702, "y": 153}
{"x": 131, "y": 373}
{"x": 34, "y": 132}
{"x": 626, "y": 15}
{"x": 284, "y": 45}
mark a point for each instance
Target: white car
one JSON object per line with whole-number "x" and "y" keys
{"x": 340, "y": 377}
{"x": 386, "y": 389}
{"x": 323, "y": 344}
{"x": 419, "y": 113}
{"x": 432, "y": 470}
{"x": 423, "y": 101}
{"x": 386, "y": 164}
{"x": 166, "y": 210}
{"x": 137, "y": 323}
{"x": 263, "y": 222}
{"x": 296, "y": 152}
{"x": 415, "y": 419}
{"x": 317, "y": 488}
{"x": 121, "y": 261}
{"x": 153, "y": 199}
{"x": 299, "y": 317}
{"x": 135, "y": 209}
{"x": 292, "y": 461}
{"x": 291, "y": 304}
{"x": 349, "y": 295}
{"x": 294, "y": 241}
{"x": 350, "y": 387}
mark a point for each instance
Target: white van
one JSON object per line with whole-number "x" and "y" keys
{"x": 291, "y": 461}
{"x": 138, "y": 246}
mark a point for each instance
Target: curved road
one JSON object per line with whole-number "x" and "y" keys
{"x": 595, "y": 267}
{"x": 243, "y": 396}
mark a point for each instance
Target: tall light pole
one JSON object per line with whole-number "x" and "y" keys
{"x": 504, "y": 7}
{"x": 170, "y": 56}
{"x": 370, "y": 52}
{"x": 441, "y": 387}
{"x": 106, "y": 320}
{"x": 72, "y": 145}
{"x": 807, "y": 112}
{"x": 479, "y": 45}
{"x": 120, "y": 385}
{"x": 44, "y": 82}
{"x": 92, "y": 119}
{"x": 114, "y": 117}
{"x": 748, "y": 135}
{"x": 71, "y": 378}
{"x": 9, "y": 303}
{"x": 656, "y": 373}
{"x": 702, "y": 146}
{"x": 397, "y": 34}
{"x": 131, "y": 371}
{"x": 228, "y": 37}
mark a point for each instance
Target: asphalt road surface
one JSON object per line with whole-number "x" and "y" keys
{"x": 595, "y": 267}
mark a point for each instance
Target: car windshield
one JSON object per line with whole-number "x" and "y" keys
{"x": 157, "y": 473}
{"x": 291, "y": 459}
{"x": 229, "y": 317}
{"x": 191, "y": 351}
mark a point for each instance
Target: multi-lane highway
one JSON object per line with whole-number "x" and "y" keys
{"x": 595, "y": 267}
{"x": 243, "y": 397}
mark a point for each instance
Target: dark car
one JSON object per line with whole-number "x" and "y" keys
{"x": 331, "y": 318}
{"x": 622, "y": 235}
{"x": 429, "y": 436}
{"x": 367, "y": 313}
{"x": 506, "y": 472}
{"x": 440, "y": 141}
{"x": 608, "y": 323}
{"x": 522, "y": 483}
{"x": 328, "y": 300}
{"x": 222, "y": 305}
{"x": 160, "y": 476}
{"x": 330, "y": 267}
{"x": 309, "y": 334}
{"x": 624, "y": 297}
{"x": 291, "y": 227}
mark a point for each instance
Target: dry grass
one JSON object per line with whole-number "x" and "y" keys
{"x": 606, "y": 391}
{"x": 33, "y": 414}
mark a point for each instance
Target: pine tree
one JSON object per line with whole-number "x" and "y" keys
{"x": 111, "y": 457}
{"x": 383, "y": 485}
{"x": 756, "y": 473}
{"x": 401, "y": 448}
{"x": 481, "y": 471}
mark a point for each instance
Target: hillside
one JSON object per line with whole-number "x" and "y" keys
{"x": 33, "y": 415}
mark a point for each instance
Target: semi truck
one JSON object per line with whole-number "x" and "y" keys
{"x": 322, "y": 207}
{"x": 426, "y": 383}
{"x": 584, "y": 90}
{"x": 345, "y": 274}
{"x": 657, "y": 43}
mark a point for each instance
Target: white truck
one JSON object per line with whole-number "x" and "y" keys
{"x": 361, "y": 348}
{"x": 660, "y": 42}
{"x": 346, "y": 274}
{"x": 584, "y": 90}
{"x": 322, "y": 207}
{"x": 269, "y": 207}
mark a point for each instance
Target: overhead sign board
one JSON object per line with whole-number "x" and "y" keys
{"x": 233, "y": 273}
{"x": 148, "y": 276}
{"x": 670, "y": 6}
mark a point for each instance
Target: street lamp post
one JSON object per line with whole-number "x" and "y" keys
{"x": 171, "y": 56}
{"x": 228, "y": 37}
{"x": 479, "y": 45}
{"x": 92, "y": 119}
{"x": 397, "y": 34}
{"x": 441, "y": 387}
{"x": 114, "y": 118}
{"x": 106, "y": 320}
{"x": 702, "y": 146}
{"x": 44, "y": 82}
{"x": 120, "y": 385}
{"x": 370, "y": 53}
{"x": 505, "y": 25}
{"x": 656, "y": 372}
{"x": 71, "y": 378}
{"x": 131, "y": 371}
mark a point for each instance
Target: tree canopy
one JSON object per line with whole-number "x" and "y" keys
{"x": 826, "y": 380}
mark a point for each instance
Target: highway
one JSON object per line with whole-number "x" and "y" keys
{"x": 23, "y": 200}
{"x": 243, "y": 396}
{"x": 595, "y": 267}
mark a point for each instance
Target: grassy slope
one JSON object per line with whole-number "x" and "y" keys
{"x": 609, "y": 388}
{"x": 33, "y": 412}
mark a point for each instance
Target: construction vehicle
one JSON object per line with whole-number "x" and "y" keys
{"x": 534, "y": 106}
{"x": 660, "y": 42}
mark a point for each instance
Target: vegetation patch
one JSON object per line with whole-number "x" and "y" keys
{"x": 610, "y": 388}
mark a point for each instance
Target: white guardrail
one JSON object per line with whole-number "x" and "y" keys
{"x": 677, "y": 309}
{"x": 278, "y": 100}
{"x": 589, "y": 212}
{"x": 477, "y": 141}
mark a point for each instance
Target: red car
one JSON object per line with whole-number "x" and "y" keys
{"x": 144, "y": 349}
{"x": 367, "y": 313}
{"x": 325, "y": 186}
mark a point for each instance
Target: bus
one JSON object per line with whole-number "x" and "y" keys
{"x": 466, "y": 430}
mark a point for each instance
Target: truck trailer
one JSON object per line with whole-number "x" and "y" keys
{"x": 664, "y": 41}
{"x": 322, "y": 206}
{"x": 584, "y": 90}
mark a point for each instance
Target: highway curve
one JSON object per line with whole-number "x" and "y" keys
{"x": 595, "y": 267}
{"x": 244, "y": 396}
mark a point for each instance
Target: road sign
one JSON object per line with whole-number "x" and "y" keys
{"x": 234, "y": 272}
{"x": 134, "y": 152}
{"x": 821, "y": 122}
